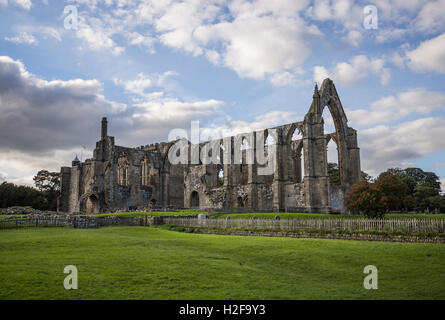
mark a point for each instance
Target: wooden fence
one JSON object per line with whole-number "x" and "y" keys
{"x": 394, "y": 225}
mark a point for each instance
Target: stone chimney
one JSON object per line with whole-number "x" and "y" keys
{"x": 104, "y": 133}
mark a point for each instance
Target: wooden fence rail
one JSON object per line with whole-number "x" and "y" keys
{"x": 398, "y": 225}
{"x": 394, "y": 225}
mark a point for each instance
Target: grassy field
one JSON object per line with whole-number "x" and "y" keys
{"x": 153, "y": 263}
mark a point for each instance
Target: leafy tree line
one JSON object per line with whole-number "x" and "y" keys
{"x": 396, "y": 189}
{"x": 42, "y": 197}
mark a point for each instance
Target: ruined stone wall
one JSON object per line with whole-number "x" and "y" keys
{"x": 265, "y": 197}
{"x": 73, "y": 204}
{"x": 132, "y": 194}
{"x": 100, "y": 183}
{"x": 295, "y": 200}
{"x": 337, "y": 197}
{"x": 65, "y": 186}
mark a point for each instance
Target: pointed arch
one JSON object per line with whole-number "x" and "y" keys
{"x": 123, "y": 165}
{"x": 327, "y": 96}
{"x": 147, "y": 171}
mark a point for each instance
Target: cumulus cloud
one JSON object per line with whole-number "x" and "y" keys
{"x": 353, "y": 72}
{"x": 45, "y": 123}
{"x": 232, "y": 127}
{"x": 428, "y": 56}
{"x": 384, "y": 147}
{"x": 430, "y": 18}
{"x": 143, "y": 82}
{"x": 346, "y": 15}
{"x": 3, "y": 177}
{"x": 23, "y": 4}
{"x": 390, "y": 108}
{"x": 255, "y": 39}
{"x": 289, "y": 78}
{"x": 23, "y": 37}
{"x": 40, "y": 115}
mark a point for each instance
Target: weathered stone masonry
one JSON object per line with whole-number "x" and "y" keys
{"x": 120, "y": 178}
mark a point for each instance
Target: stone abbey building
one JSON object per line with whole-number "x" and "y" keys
{"x": 122, "y": 178}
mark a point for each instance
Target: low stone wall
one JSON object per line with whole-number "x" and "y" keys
{"x": 24, "y": 211}
{"x": 355, "y": 236}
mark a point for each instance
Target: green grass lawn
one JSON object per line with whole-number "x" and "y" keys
{"x": 153, "y": 263}
{"x": 291, "y": 215}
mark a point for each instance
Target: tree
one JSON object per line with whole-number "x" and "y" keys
{"x": 414, "y": 176}
{"x": 394, "y": 191}
{"x": 436, "y": 203}
{"x": 49, "y": 184}
{"x": 334, "y": 173}
{"x": 374, "y": 199}
{"x": 364, "y": 197}
{"x": 366, "y": 176}
{"x": 47, "y": 181}
{"x": 13, "y": 195}
{"x": 422, "y": 192}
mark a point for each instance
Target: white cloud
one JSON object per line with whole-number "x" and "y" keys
{"x": 255, "y": 39}
{"x": 428, "y": 56}
{"x": 233, "y": 127}
{"x": 3, "y": 177}
{"x": 138, "y": 39}
{"x": 53, "y": 32}
{"x": 430, "y": 18}
{"x": 24, "y": 4}
{"x": 346, "y": 15}
{"x": 390, "y": 108}
{"x": 353, "y": 72}
{"x": 24, "y": 166}
{"x": 143, "y": 82}
{"x": 390, "y": 34}
{"x": 384, "y": 147}
{"x": 23, "y": 37}
{"x": 56, "y": 114}
{"x": 166, "y": 109}
{"x": 60, "y": 116}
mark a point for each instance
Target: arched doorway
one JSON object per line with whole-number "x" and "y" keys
{"x": 240, "y": 202}
{"x": 194, "y": 200}
{"x": 92, "y": 204}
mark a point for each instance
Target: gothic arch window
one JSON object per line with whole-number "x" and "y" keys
{"x": 146, "y": 171}
{"x": 123, "y": 165}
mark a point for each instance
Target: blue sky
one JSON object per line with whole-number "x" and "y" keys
{"x": 152, "y": 66}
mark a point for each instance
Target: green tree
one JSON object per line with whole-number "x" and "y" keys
{"x": 436, "y": 203}
{"x": 422, "y": 192}
{"x": 394, "y": 191}
{"x": 49, "y": 184}
{"x": 47, "y": 181}
{"x": 365, "y": 198}
{"x": 13, "y": 195}
{"x": 333, "y": 173}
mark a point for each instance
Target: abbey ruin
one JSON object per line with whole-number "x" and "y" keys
{"x": 122, "y": 178}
